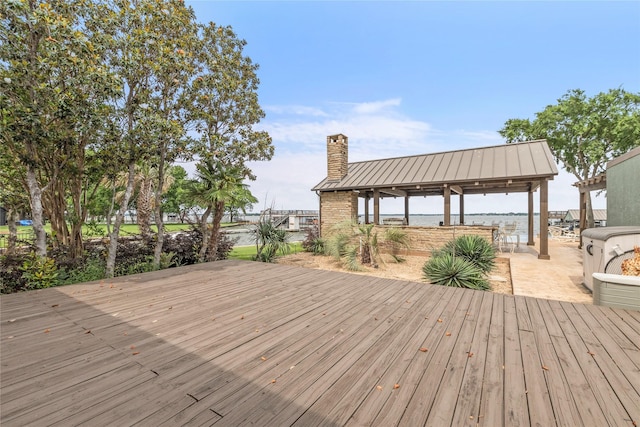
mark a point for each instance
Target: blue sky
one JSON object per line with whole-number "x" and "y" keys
{"x": 404, "y": 78}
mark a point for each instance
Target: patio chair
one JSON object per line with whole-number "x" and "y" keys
{"x": 508, "y": 235}
{"x": 559, "y": 233}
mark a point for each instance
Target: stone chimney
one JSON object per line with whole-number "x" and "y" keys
{"x": 337, "y": 157}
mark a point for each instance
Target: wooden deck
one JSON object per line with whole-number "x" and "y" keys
{"x": 238, "y": 343}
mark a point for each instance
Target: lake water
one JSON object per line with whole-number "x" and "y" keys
{"x": 245, "y": 238}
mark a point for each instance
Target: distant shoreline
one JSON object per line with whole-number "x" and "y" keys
{"x": 453, "y": 214}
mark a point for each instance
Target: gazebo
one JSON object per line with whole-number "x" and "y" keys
{"x": 508, "y": 168}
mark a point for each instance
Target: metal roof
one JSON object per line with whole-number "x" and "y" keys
{"x": 574, "y": 215}
{"x": 497, "y": 169}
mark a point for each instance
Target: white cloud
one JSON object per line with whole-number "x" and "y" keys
{"x": 299, "y": 110}
{"x": 377, "y": 130}
{"x": 376, "y": 106}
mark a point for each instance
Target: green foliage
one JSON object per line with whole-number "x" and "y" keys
{"x": 223, "y": 101}
{"x": 474, "y": 248}
{"x": 368, "y": 240}
{"x": 92, "y": 228}
{"x": 92, "y": 269}
{"x": 354, "y": 244}
{"x": 247, "y": 253}
{"x": 583, "y": 133}
{"x": 397, "y": 239}
{"x": 185, "y": 246}
{"x": 225, "y": 246}
{"x": 337, "y": 245}
{"x": 10, "y": 273}
{"x": 39, "y": 272}
{"x": 270, "y": 241}
{"x": 317, "y": 246}
{"x": 449, "y": 270}
{"x": 175, "y": 200}
{"x": 312, "y": 241}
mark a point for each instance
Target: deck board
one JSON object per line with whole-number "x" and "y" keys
{"x": 232, "y": 343}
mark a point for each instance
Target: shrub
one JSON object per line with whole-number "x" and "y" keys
{"x": 39, "y": 272}
{"x": 93, "y": 229}
{"x": 92, "y": 269}
{"x": 185, "y": 245}
{"x": 23, "y": 271}
{"x": 312, "y": 241}
{"x": 396, "y": 239}
{"x": 269, "y": 241}
{"x": 448, "y": 270}
{"x": 11, "y": 279}
{"x": 354, "y": 245}
{"x": 133, "y": 256}
{"x": 473, "y": 248}
{"x": 225, "y": 245}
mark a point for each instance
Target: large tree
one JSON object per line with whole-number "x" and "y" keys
{"x": 223, "y": 106}
{"x": 149, "y": 50}
{"x": 223, "y": 102}
{"x": 52, "y": 85}
{"x": 583, "y": 133}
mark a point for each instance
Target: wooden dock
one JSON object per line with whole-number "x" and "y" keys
{"x": 244, "y": 343}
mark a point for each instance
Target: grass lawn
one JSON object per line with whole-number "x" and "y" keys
{"x": 248, "y": 252}
{"x": 124, "y": 229}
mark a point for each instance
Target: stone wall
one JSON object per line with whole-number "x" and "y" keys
{"x": 422, "y": 240}
{"x": 335, "y": 208}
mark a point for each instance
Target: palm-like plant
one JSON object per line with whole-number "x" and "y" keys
{"x": 396, "y": 239}
{"x": 369, "y": 249}
{"x": 217, "y": 183}
{"x": 145, "y": 183}
{"x": 354, "y": 244}
{"x": 269, "y": 240}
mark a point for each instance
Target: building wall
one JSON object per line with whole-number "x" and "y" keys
{"x": 623, "y": 191}
{"x": 423, "y": 240}
{"x": 335, "y": 208}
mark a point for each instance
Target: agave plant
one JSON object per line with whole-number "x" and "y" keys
{"x": 269, "y": 241}
{"x": 473, "y": 248}
{"x": 448, "y": 270}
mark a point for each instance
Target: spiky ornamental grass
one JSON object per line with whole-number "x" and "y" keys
{"x": 448, "y": 270}
{"x": 473, "y": 248}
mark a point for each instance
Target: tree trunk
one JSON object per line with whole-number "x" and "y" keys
{"x": 35, "y": 199}
{"x": 212, "y": 254}
{"x": 144, "y": 208}
{"x": 589, "y": 211}
{"x": 366, "y": 254}
{"x": 78, "y": 200}
{"x": 158, "y": 214}
{"x": 115, "y": 233}
{"x": 12, "y": 215}
{"x": 205, "y": 234}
